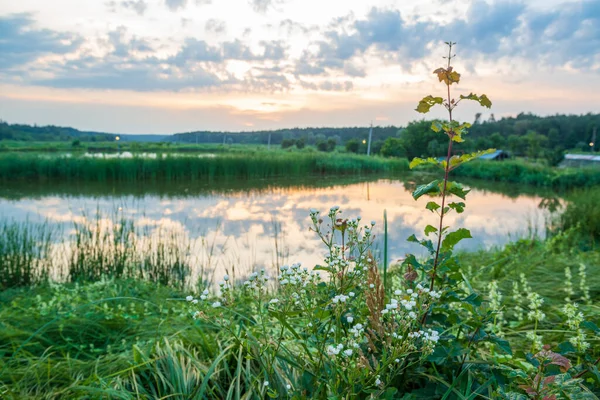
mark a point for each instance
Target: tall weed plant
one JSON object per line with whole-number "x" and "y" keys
{"x": 421, "y": 331}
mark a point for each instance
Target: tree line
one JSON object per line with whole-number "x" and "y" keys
{"x": 524, "y": 135}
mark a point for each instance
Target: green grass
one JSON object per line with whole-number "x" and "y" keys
{"x": 136, "y": 339}
{"x": 530, "y": 174}
{"x": 256, "y": 165}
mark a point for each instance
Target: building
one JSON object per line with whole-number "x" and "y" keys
{"x": 580, "y": 160}
{"x": 497, "y": 155}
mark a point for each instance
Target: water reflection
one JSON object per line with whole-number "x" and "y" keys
{"x": 253, "y": 228}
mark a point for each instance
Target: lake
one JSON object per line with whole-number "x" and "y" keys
{"x": 249, "y": 225}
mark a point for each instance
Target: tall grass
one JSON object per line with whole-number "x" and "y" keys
{"x": 530, "y": 174}
{"x": 98, "y": 248}
{"x": 36, "y": 167}
{"x": 25, "y": 253}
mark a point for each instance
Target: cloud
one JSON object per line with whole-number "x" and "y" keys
{"x": 22, "y": 42}
{"x": 567, "y": 35}
{"x": 262, "y": 6}
{"x": 215, "y": 26}
{"x": 175, "y": 5}
{"x": 139, "y": 6}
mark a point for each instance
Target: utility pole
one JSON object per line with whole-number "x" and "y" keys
{"x": 370, "y": 136}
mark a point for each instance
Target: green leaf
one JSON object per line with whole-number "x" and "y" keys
{"x": 589, "y": 325}
{"x": 430, "y": 229}
{"x": 432, "y": 206}
{"x": 420, "y": 161}
{"x": 455, "y": 161}
{"x": 482, "y": 100}
{"x": 502, "y": 344}
{"x": 453, "y": 238}
{"x": 458, "y": 207}
{"x": 457, "y": 189}
{"x": 437, "y": 126}
{"x": 431, "y": 187}
{"x": 427, "y": 102}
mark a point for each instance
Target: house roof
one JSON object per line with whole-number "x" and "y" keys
{"x": 582, "y": 157}
{"x": 493, "y": 155}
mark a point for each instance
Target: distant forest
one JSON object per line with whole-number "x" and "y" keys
{"x": 524, "y": 135}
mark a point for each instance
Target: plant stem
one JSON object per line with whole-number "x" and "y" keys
{"x": 446, "y": 172}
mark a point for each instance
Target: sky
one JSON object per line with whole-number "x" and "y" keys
{"x": 166, "y": 66}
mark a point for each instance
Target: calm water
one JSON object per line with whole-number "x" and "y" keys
{"x": 260, "y": 224}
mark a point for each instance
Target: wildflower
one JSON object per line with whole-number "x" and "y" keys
{"x": 348, "y": 352}
{"x": 351, "y": 294}
{"x": 226, "y": 277}
{"x": 378, "y": 381}
{"x": 349, "y": 319}
{"x": 266, "y": 383}
{"x": 288, "y": 387}
{"x": 371, "y": 286}
{"x": 189, "y": 298}
{"x": 195, "y": 301}
{"x": 216, "y": 304}
{"x": 397, "y": 292}
{"x": 397, "y": 360}
{"x": 274, "y": 301}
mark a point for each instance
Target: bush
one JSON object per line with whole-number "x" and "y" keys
{"x": 287, "y": 143}
{"x": 352, "y": 146}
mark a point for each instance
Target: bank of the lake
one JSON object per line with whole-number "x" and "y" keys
{"x": 262, "y": 164}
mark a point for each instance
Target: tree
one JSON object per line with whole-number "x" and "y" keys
{"x": 393, "y": 147}
{"x": 301, "y": 143}
{"x": 352, "y": 146}
{"x": 287, "y": 143}
{"x": 416, "y": 137}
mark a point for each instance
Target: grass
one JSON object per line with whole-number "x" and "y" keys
{"x": 530, "y": 174}
{"x": 257, "y": 165}
{"x": 123, "y": 338}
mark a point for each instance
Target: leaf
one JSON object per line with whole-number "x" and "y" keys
{"x": 589, "y": 325}
{"x": 430, "y": 229}
{"x": 482, "y": 100}
{"x": 432, "y": 206}
{"x": 437, "y": 126}
{"x": 420, "y": 161}
{"x": 457, "y": 190}
{"x": 431, "y": 187}
{"x": 455, "y": 161}
{"x": 448, "y": 76}
{"x": 427, "y": 102}
{"x": 458, "y": 207}
{"x": 453, "y": 238}
{"x": 502, "y": 344}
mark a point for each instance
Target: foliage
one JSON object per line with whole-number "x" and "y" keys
{"x": 243, "y": 165}
{"x": 393, "y": 147}
{"x": 352, "y": 146}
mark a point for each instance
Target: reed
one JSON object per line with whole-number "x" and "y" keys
{"x": 531, "y": 174}
{"x": 250, "y": 165}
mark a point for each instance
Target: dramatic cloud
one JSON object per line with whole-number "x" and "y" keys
{"x": 311, "y": 53}
{"x": 215, "y": 26}
{"x": 138, "y": 6}
{"x": 175, "y": 5}
{"x": 21, "y": 42}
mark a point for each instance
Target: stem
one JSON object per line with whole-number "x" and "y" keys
{"x": 446, "y": 172}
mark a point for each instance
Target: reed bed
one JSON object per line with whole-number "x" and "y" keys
{"x": 530, "y": 174}
{"x": 33, "y": 254}
{"x": 250, "y": 165}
